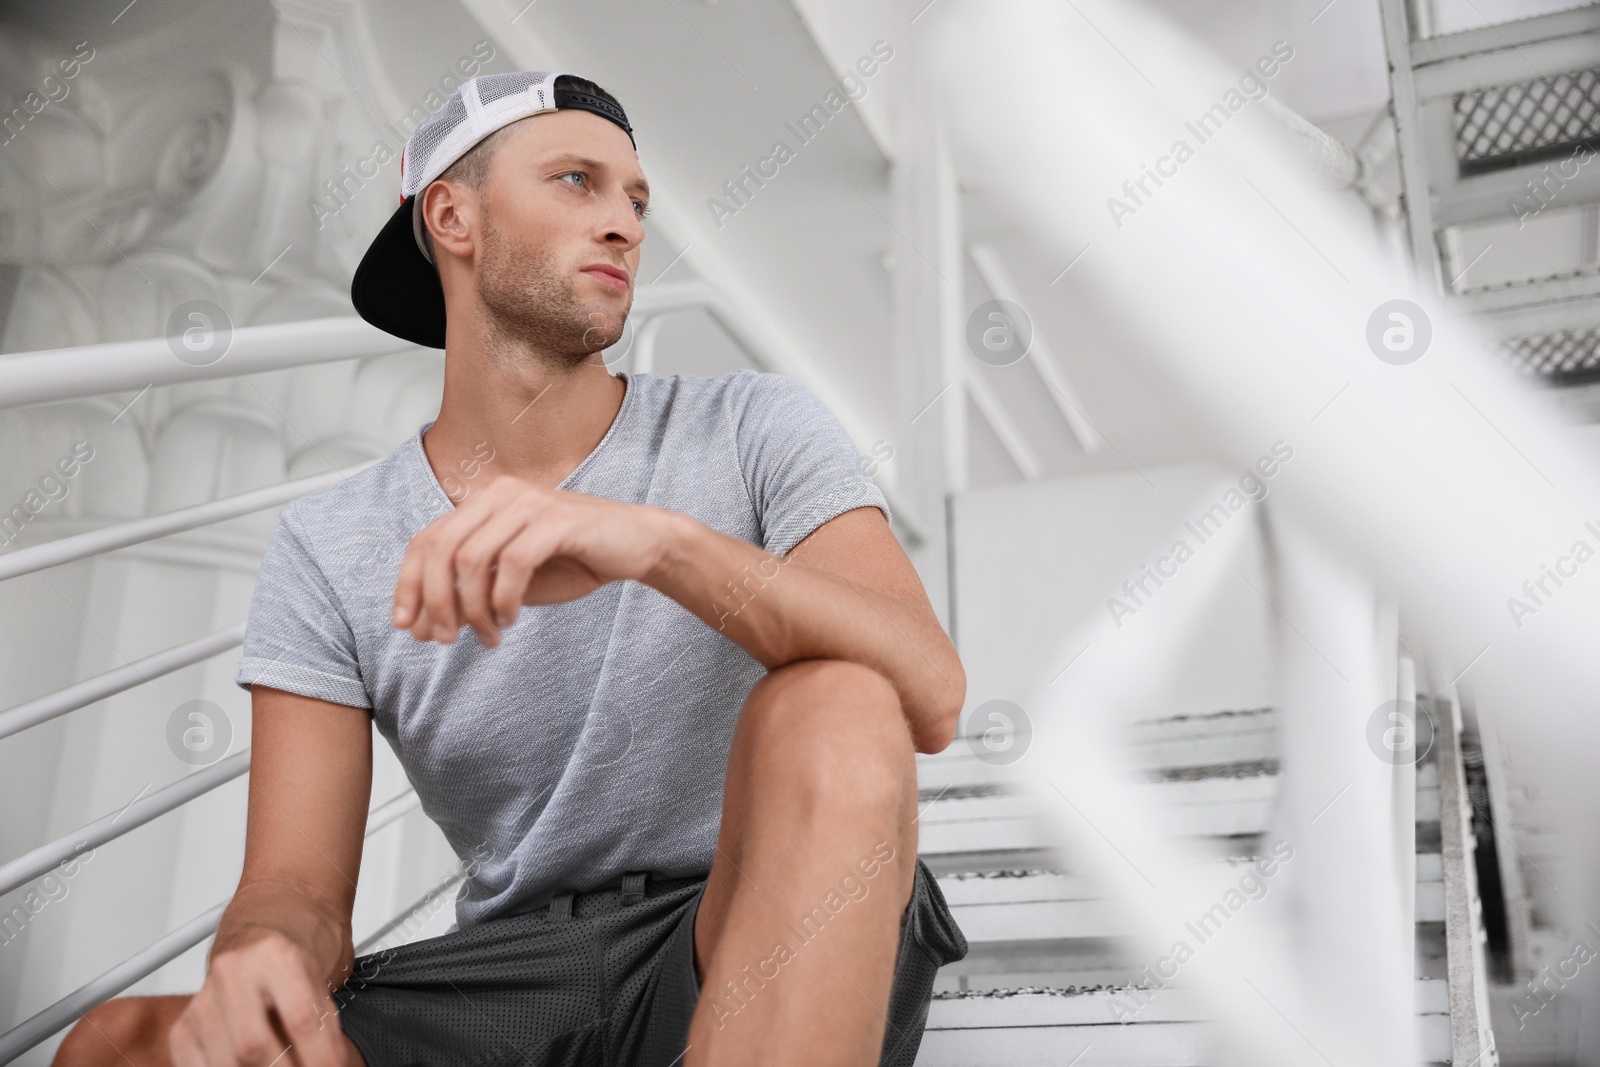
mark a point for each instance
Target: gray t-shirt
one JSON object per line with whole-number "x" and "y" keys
{"x": 594, "y": 740}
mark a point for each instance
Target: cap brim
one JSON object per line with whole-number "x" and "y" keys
{"x": 396, "y": 289}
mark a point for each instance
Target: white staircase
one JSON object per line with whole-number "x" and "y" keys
{"x": 1495, "y": 127}
{"x": 1051, "y": 971}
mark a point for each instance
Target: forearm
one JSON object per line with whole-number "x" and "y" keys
{"x": 782, "y": 611}
{"x": 262, "y": 908}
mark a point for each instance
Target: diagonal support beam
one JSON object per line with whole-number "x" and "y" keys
{"x": 998, "y": 281}
{"x": 1398, "y": 36}
{"x": 1005, "y": 428}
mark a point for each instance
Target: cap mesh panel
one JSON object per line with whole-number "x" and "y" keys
{"x": 427, "y": 137}
{"x": 492, "y": 87}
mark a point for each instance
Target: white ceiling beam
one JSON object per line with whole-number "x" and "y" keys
{"x": 998, "y": 281}
{"x": 1004, "y": 426}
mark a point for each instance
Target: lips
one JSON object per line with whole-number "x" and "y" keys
{"x": 615, "y": 277}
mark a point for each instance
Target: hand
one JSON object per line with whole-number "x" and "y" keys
{"x": 258, "y": 1001}
{"x": 516, "y": 543}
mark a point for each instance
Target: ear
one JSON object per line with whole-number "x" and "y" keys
{"x": 450, "y": 212}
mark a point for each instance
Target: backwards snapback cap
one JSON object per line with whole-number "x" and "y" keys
{"x": 396, "y": 287}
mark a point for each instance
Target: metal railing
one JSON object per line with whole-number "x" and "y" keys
{"x": 148, "y": 960}
{"x": 42, "y": 377}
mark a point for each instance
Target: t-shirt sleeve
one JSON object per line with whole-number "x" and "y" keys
{"x": 297, "y": 637}
{"x": 799, "y": 465}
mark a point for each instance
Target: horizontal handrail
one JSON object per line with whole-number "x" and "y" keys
{"x": 94, "y": 370}
{"x": 80, "y": 694}
{"x": 49, "y": 375}
{"x": 27, "y": 867}
{"x": 136, "y": 531}
{"x": 148, "y": 960}
{"x": 62, "y": 1013}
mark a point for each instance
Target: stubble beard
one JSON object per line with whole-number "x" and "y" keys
{"x": 533, "y": 310}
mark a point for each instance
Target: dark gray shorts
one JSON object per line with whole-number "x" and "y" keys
{"x": 606, "y": 980}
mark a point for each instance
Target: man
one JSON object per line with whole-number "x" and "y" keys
{"x": 645, "y": 646}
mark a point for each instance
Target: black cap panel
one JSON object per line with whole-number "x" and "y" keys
{"x": 396, "y": 289}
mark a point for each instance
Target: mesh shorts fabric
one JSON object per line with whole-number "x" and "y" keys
{"x": 611, "y": 984}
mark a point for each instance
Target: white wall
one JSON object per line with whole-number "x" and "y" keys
{"x": 1033, "y": 562}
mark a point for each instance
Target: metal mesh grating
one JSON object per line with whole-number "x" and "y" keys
{"x": 1510, "y": 125}
{"x": 1565, "y": 357}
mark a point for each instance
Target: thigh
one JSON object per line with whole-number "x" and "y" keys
{"x": 838, "y": 721}
{"x": 929, "y": 939}
{"x": 122, "y": 1030}
{"x": 134, "y": 1030}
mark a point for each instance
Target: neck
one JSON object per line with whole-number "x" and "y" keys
{"x": 536, "y": 415}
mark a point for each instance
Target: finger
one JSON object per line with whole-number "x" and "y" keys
{"x": 234, "y": 1026}
{"x": 439, "y": 570}
{"x": 308, "y": 1015}
{"x": 491, "y": 520}
{"x": 182, "y": 1045}
{"x": 423, "y": 624}
{"x": 206, "y": 1027}
{"x": 408, "y": 585}
{"x": 476, "y": 562}
{"x": 244, "y": 1013}
{"x": 532, "y": 547}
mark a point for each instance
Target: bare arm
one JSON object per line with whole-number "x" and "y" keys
{"x": 846, "y": 592}
{"x": 284, "y": 941}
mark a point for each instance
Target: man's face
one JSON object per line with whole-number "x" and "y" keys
{"x": 558, "y": 254}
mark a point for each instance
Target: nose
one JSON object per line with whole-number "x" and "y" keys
{"x": 623, "y": 225}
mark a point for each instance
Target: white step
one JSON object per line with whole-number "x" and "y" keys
{"x": 1430, "y": 887}
{"x": 1208, "y": 807}
{"x": 1047, "y": 905}
{"x": 1169, "y": 745}
{"x": 1433, "y": 1019}
{"x": 1051, "y": 934}
{"x": 1201, "y": 740}
{"x": 1055, "y": 1029}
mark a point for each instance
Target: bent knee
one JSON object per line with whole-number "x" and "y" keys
{"x": 831, "y": 721}
{"x": 829, "y": 696}
{"x": 120, "y": 1030}
{"x": 826, "y": 686}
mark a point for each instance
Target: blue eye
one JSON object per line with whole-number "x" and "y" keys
{"x": 582, "y": 182}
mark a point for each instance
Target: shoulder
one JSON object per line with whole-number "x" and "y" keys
{"x": 689, "y": 389}
{"x": 365, "y": 501}
{"x": 733, "y": 397}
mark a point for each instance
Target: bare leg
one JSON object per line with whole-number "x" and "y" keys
{"x": 797, "y": 931}
{"x": 127, "y": 1030}
{"x": 132, "y": 1032}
